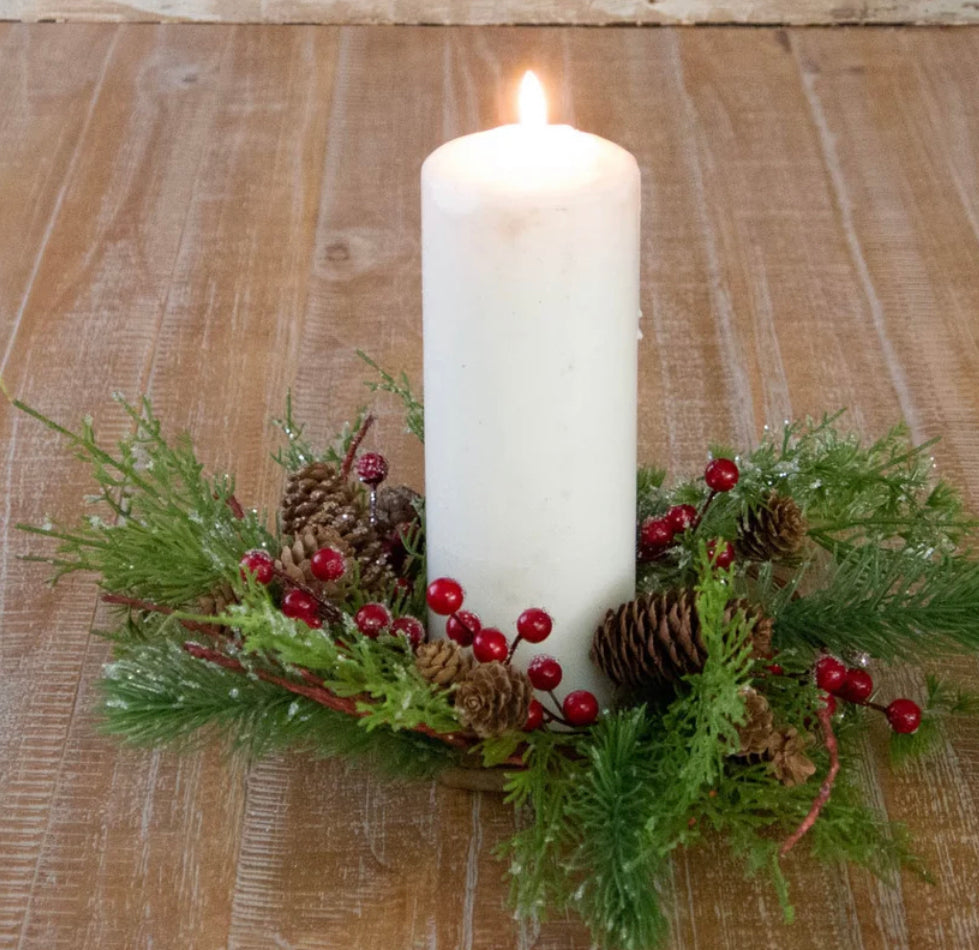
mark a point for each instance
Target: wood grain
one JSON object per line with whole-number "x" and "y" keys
{"x": 487, "y": 12}
{"x": 215, "y": 215}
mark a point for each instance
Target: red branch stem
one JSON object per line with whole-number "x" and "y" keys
{"x": 348, "y": 459}
{"x": 825, "y": 789}
{"x": 313, "y": 689}
{"x": 150, "y": 607}
{"x": 235, "y": 507}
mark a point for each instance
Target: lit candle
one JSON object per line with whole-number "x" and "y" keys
{"x": 530, "y": 275}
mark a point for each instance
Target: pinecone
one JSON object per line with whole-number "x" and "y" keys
{"x": 789, "y": 761}
{"x": 395, "y": 506}
{"x": 318, "y": 496}
{"x": 442, "y": 662}
{"x": 654, "y": 640}
{"x": 218, "y": 600}
{"x": 758, "y": 729}
{"x": 773, "y": 532}
{"x": 295, "y": 559}
{"x": 493, "y": 699}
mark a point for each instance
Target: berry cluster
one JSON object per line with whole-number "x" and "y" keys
{"x": 445, "y": 597}
{"x": 855, "y": 685}
{"x": 328, "y": 565}
{"x": 657, "y": 534}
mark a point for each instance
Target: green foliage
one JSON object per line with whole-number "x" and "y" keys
{"x": 154, "y": 692}
{"x": 298, "y": 452}
{"x": 380, "y": 673}
{"x": 400, "y": 387}
{"x": 164, "y": 531}
{"x": 893, "y": 604}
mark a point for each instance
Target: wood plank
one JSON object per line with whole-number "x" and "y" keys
{"x": 900, "y": 149}
{"x": 52, "y": 85}
{"x": 88, "y": 326}
{"x": 486, "y": 12}
{"x": 241, "y": 214}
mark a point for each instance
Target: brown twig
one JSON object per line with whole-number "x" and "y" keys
{"x": 825, "y": 789}
{"x": 235, "y": 507}
{"x": 148, "y": 606}
{"x": 314, "y": 689}
{"x": 348, "y": 459}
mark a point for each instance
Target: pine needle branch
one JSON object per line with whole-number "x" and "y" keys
{"x": 171, "y": 533}
{"x": 400, "y": 387}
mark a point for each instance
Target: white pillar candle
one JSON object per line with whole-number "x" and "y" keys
{"x": 530, "y": 275}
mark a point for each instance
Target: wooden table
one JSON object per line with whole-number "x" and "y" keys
{"x": 214, "y": 215}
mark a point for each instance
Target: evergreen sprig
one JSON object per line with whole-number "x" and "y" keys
{"x": 164, "y": 531}
{"x": 400, "y": 387}
{"x": 298, "y": 452}
{"x": 155, "y": 692}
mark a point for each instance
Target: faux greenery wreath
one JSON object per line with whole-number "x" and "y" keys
{"x": 765, "y": 588}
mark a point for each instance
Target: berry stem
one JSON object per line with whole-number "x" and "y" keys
{"x": 825, "y": 789}
{"x": 348, "y": 459}
{"x": 333, "y": 613}
{"x": 552, "y": 716}
{"x": 705, "y": 506}
{"x": 513, "y": 648}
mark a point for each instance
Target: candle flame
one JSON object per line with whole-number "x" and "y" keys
{"x": 532, "y": 104}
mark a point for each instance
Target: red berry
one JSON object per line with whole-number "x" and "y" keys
{"x": 656, "y": 533}
{"x": 298, "y": 605}
{"x": 490, "y": 644}
{"x": 830, "y": 674}
{"x": 858, "y": 685}
{"x": 462, "y": 626}
{"x": 372, "y": 468}
{"x": 328, "y": 564}
{"x": 545, "y": 672}
{"x": 904, "y": 715}
{"x": 580, "y": 707}
{"x": 259, "y": 564}
{"x": 829, "y": 701}
{"x": 682, "y": 518}
{"x": 409, "y": 627}
{"x": 444, "y": 596}
{"x": 535, "y": 716}
{"x": 721, "y": 475}
{"x": 371, "y": 619}
{"x": 312, "y": 620}
{"x": 775, "y": 669}
{"x": 720, "y": 553}
{"x": 534, "y": 625}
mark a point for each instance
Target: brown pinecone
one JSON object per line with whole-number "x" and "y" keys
{"x": 758, "y": 729}
{"x": 296, "y": 558}
{"x": 218, "y": 600}
{"x": 789, "y": 761}
{"x": 318, "y": 496}
{"x": 493, "y": 699}
{"x": 442, "y": 662}
{"x": 773, "y": 532}
{"x": 395, "y": 506}
{"x": 654, "y": 640}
